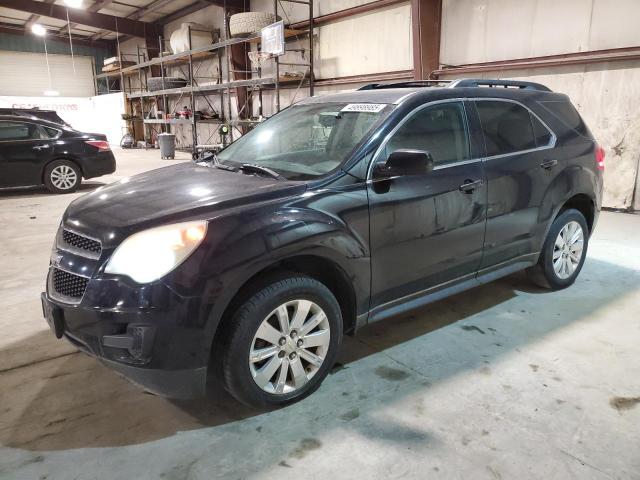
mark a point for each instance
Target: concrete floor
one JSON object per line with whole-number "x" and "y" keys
{"x": 505, "y": 381}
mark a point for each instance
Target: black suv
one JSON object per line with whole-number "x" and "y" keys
{"x": 339, "y": 211}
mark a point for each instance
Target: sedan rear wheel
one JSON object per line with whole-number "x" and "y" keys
{"x": 62, "y": 176}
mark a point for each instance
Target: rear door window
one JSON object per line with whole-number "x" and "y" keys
{"x": 507, "y": 127}
{"x": 20, "y": 131}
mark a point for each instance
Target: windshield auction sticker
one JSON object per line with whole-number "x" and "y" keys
{"x": 364, "y": 107}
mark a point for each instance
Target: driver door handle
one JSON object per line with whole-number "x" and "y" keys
{"x": 470, "y": 185}
{"x": 40, "y": 147}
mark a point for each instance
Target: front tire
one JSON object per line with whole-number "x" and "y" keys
{"x": 281, "y": 342}
{"x": 563, "y": 252}
{"x": 62, "y": 176}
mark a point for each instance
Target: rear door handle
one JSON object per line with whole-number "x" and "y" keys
{"x": 40, "y": 147}
{"x": 548, "y": 164}
{"x": 470, "y": 185}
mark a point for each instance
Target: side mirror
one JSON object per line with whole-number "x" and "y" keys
{"x": 405, "y": 162}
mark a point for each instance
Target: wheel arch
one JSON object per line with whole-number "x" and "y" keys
{"x": 584, "y": 204}
{"x": 68, "y": 159}
{"x": 321, "y": 268}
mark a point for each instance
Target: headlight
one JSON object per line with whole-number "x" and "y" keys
{"x": 148, "y": 255}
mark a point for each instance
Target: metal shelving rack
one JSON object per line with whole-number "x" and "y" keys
{"x": 223, "y": 88}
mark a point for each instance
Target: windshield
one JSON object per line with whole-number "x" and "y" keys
{"x": 305, "y": 141}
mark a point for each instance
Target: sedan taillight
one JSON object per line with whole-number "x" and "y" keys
{"x": 101, "y": 145}
{"x": 599, "y": 157}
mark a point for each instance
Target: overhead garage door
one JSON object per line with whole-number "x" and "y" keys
{"x": 25, "y": 74}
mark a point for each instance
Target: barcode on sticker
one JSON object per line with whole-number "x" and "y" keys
{"x": 364, "y": 107}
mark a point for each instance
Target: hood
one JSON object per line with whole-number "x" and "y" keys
{"x": 170, "y": 195}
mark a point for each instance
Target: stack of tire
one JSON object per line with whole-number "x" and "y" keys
{"x": 155, "y": 83}
{"x": 247, "y": 23}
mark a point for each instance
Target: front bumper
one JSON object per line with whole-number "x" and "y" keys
{"x": 160, "y": 346}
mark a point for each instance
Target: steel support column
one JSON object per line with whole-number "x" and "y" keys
{"x": 426, "y": 18}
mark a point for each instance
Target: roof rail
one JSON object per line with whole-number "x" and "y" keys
{"x": 407, "y": 84}
{"x": 481, "y": 82}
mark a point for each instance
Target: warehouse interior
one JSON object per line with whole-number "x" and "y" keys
{"x": 506, "y": 380}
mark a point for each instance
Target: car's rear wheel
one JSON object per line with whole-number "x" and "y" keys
{"x": 62, "y": 176}
{"x": 563, "y": 253}
{"x": 281, "y": 342}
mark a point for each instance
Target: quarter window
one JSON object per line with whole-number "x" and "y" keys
{"x": 439, "y": 129}
{"x": 542, "y": 133}
{"x": 51, "y": 132}
{"x": 507, "y": 127}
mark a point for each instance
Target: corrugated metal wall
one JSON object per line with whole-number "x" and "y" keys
{"x": 24, "y": 69}
{"x": 33, "y": 44}
{"x": 25, "y": 74}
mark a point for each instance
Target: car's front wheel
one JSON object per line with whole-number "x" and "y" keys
{"x": 62, "y": 176}
{"x": 563, "y": 252}
{"x": 282, "y": 342}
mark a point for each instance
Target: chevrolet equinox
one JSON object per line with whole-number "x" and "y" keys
{"x": 338, "y": 211}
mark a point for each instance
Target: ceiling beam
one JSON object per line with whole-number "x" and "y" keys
{"x": 194, "y": 7}
{"x": 156, "y": 4}
{"x": 96, "y": 20}
{"x": 34, "y": 18}
{"x": 99, "y": 5}
{"x": 13, "y": 29}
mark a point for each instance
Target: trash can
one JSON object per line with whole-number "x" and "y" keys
{"x": 167, "y": 143}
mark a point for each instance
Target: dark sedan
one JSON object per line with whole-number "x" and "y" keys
{"x": 34, "y": 151}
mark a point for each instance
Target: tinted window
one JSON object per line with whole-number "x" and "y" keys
{"x": 568, "y": 115}
{"x": 439, "y": 129}
{"x": 19, "y": 131}
{"x": 51, "y": 132}
{"x": 507, "y": 127}
{"x": 542, "y": 133}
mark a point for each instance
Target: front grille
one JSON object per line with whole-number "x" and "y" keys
{"x": 80, "y": 242}
{"x": 68, "y": 284}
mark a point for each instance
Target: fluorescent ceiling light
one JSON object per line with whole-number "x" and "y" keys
{"x": 51, "y": 93}
{"x": 73, "y": 3}
{"x": 38, "y": 29}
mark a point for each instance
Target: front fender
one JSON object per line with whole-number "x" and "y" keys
{"x": 242, "y": 244}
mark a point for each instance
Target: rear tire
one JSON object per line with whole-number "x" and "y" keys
{"x": 563, "y": 252}
{"x": 281, "y": 342}
{"x": 62, "y": 176}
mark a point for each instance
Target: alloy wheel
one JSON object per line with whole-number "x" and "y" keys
{"x": 289, "y": 346}
{"x": 568, "y": 250}
{"x": 63, "y": 177}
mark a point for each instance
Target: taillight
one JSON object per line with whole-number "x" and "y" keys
{"x": 599, "y": 157}
{"x": 101, "y": 145}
